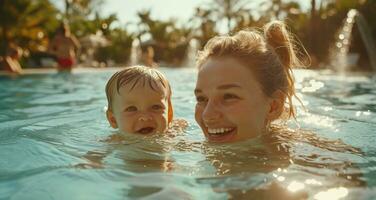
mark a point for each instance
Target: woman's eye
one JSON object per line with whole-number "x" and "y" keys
{"x": 157, "y": 107}
{"x": 131, "y": 109}
{"x": 230, "y": 96}
{"x": 200, "y": 99}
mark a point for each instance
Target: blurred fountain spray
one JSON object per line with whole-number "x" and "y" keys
{"x": 135, "y": 52}
{"x": 340, "y": 57}
{"x": 190, "y": 58}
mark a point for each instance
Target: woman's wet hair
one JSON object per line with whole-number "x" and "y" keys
{"x": 270, "y": 54}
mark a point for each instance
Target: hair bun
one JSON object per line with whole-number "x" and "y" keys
{"x": 278, "y": 38}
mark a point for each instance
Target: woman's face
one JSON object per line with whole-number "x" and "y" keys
{"x": 230, "y": 103}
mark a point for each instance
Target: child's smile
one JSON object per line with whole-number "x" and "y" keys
{"x": 141, "y": 109}
{"x": 145, "y": 125}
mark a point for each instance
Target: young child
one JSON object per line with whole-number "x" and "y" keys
{"x": 139, "y": 101}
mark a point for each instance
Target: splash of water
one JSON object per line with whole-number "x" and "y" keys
{"x": 192, "y": 50}
{"x": 340, "y": 56}
{"x": 135, "y": 52}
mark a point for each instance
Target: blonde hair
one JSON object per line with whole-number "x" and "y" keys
{"x": 270, "y": 54}
{"x": 135, "y": 75}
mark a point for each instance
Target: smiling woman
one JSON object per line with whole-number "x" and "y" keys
{"x": 244, "y": 82}
{"x": 230, "y": 103}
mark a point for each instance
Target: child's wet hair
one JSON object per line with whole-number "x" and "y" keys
{"x": 136, "y": 75}
{"x": 270, "y": 54}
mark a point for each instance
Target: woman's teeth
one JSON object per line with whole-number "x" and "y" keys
{"x": 219, "y": 130}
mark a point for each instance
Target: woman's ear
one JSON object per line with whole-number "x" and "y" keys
{"x": 111, "y": 119}
{"x": 277, "y": 104}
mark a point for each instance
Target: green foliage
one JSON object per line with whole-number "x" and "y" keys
{"x": 26, "y": 23}
{"x": 207, "y": 26}
{"x": 82, "y": 27}
{"x": 231, "y": 11}
{"x": 170, "y": 42}
{"x": 120, "y": 48}
{"x": 329, "y": 19}
{"x": 31, "y": 23}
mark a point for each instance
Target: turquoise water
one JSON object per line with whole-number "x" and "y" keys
{"x": 53, "y": 145}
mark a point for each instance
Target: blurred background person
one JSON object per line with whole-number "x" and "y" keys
{"x": 147, "y": 56}
{"x": 10, "y": 62}
{"x": 64, "y": 46}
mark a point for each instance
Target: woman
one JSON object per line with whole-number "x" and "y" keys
{"x": 244, "y": 82}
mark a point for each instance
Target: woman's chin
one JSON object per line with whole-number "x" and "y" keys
{"x": 223, "y": 137}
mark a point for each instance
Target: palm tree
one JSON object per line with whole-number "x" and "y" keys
{"x": 278, "y": 9}
{"x": 120, "y": 48}
{"x": 169, "y": 41}
{"x": 206, "y": 25}
{"x": 80, "y": 8}
{"x": 26, "y": 22}
{"x": 230, "y": 10}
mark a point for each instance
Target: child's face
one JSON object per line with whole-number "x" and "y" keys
{"x": 140, "y": 110}
{"x": 230, "y": 103}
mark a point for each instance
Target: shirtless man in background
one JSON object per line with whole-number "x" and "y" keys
{"x": 64, "y": 46}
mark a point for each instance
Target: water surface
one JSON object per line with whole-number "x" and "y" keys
{"x": 53, "y": 131}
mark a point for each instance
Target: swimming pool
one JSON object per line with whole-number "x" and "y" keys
{"x": 53, "y": 125}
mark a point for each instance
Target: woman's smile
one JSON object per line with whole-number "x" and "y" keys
{"x": 230, "y": 103}
{"x": 221, "y": 134}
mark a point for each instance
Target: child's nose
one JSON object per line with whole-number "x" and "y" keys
{"x": 144, "y": 117}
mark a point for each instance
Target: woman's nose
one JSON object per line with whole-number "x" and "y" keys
{"x": 211, "y": 113}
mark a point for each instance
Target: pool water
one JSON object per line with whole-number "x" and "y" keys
{"x": 53, "y": 145}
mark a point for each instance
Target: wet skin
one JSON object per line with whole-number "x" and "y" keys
{"x": 231, "y": 105}
{"x": 140, "y": 110}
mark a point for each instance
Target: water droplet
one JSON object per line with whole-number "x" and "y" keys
{"x": 352, "y": 13}
{"x": 281, "y": 178}
{"x": 295, "y": 186}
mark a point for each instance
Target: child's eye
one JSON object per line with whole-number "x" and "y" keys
{"x": 228, "y": 96}
{"x": 201, "y": 99}
{"x": 157, "y": 107}
{"x": 131, "y": 109}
